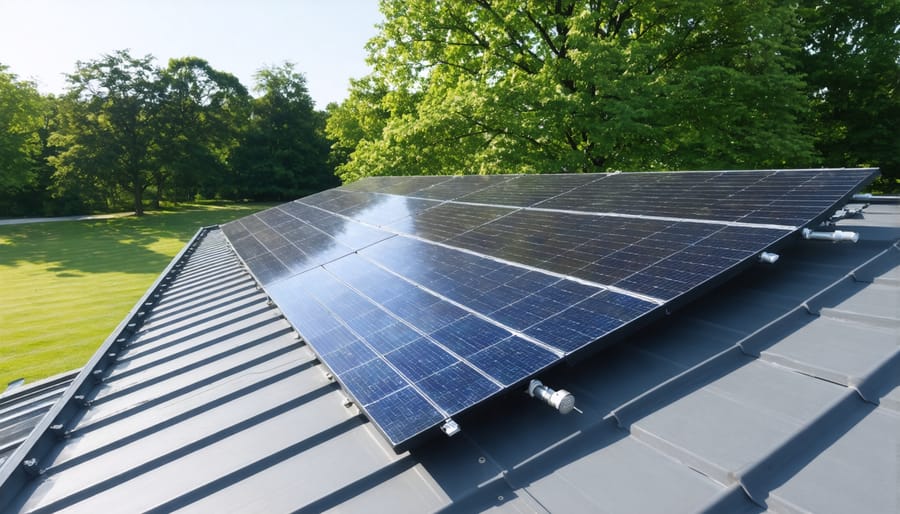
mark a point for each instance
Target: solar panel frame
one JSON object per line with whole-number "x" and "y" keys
{"x": 508, "y": 282}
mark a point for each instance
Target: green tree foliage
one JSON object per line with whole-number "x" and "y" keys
{"x": 201, "y": 111}
{"x": 852, "y": 64}
{"x": 283, "y": 153}
{"x": 354, "y": 122}
{"x": 500, "y": 85}
{"x": 107, "y": 129}
{"x": 21, "y": 115}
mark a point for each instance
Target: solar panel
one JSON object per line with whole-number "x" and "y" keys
{"x": 425, "y": 296}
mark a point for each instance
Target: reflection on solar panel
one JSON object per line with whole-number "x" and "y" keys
{"x": 427, "y": 295}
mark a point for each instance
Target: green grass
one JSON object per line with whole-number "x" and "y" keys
{"x": 64, "y": 286}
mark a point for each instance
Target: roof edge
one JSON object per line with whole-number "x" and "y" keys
{"x": 24, "y": 463}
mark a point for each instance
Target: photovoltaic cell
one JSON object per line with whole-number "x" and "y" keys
{"x": 448, "y": 220}
{"x": 397, "y": 185}
{"x": 425, "y": 296}
{"x": 461, "y": 186}
{"x": 527, "y": 190}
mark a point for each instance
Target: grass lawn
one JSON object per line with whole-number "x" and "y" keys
{"x": 64, "y": 286}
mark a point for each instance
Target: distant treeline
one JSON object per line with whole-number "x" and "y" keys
{"x": 476, "y": 87}
{"x": 128, "y": 134}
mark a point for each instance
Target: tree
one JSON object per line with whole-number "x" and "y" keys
{"x": 360, "y": 118}
{"x": 201, "y": 111}
{"x": 283, "y": 153}
{"x": 497, "y": 85}
{"x": 852, "y": 64}
{"x": 106, "y": 128}
{"x": 21, "y": 114}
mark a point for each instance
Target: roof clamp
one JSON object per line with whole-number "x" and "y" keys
{"x": 450, "y": 427}
{"x": 845, "y": 213}
{"x": 59, "y": 430}
{"x": 836, "y": 236}
{"x": 31, "y": 467}
{"x": 768, "y": 257}
{"x": 561, "y": 400}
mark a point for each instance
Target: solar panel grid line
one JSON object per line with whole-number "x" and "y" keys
{"x": 695, "y": 244}
{"x": 525, "y": 178}
{"x": 514, "y": 308}
{"x": 339, "y": 374}
{"x": 615, "y": 289}
{"x": 401, "y": 185}
{"x": 518, "y": 333}
{"x": 642, "y": 217}
{"x": 435, "y": 385}
{"x": 422, "y": 333}
{"x": 448, "y": 190}
{"x": 283, "y": 263}
{"x": 476, "y": 227}
{"x": 764, "y": 179}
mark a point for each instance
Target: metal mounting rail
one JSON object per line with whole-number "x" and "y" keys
{"x": 26, "y": 462}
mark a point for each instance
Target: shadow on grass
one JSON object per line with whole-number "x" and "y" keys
{"x": 124, "y": 245}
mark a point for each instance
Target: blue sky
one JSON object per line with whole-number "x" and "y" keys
{"x": 42, "y": 39}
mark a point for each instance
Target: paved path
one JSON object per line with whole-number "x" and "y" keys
{"x": 23, "y": 221}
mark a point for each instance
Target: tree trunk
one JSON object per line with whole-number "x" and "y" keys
{"x": 160, "y": 183}
{"x": 138, "y": 197}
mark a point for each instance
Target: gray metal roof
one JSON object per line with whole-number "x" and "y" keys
{"x": 22, "y": 407}
{"x": 779, "y": 391}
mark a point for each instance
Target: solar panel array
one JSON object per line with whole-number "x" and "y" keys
{"x": 427, "y": 295}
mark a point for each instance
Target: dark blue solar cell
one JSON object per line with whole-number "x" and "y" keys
{"x": 349, "y": 304}
{"x": 616, "y": 305}
{"x": 348, "y": 357}
{"x": 438, "y": 316}
{"x": 235, "y": 231}
{"x": 457, "y": 387}
{"x": 403, "y": 415}
{"x": 532, "y": 281}
{"x": 391, "y": 338}
{"x": 249, "y": 247}
{"x": 420, "y": 358}
{"x": 469, "y": 335}
{"x": 371, "y": 381}
{"x": 589, "y": 320}
{"x": 528, "y": 311}
{"x": 267, "y": 268}
{"x": 380, "y": 209}
{"x": 515, "y": 317}
{"x": 370, "y": 321}
{"x": 333, "y": 340}
{"x": 512, "y": 360}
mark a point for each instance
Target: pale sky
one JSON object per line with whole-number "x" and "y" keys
{"x": 41, "y": 40}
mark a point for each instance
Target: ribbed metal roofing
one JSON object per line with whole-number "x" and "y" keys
{"x": 780, "y": 391}
{"x": 21, "y": 408}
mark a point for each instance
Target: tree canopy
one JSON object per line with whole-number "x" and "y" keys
{"x": 21, "y": 107}
{"x": 283, "y": 153}
{"x": 581, "y": 86}
{"x": 128, "y": 130}
{"x": 492, "y": 86}
{"x": 852, "y": 66}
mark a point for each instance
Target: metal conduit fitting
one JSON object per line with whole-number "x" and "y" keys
{"x": 561, "y": 400}
{"x": 837, "y": 235}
